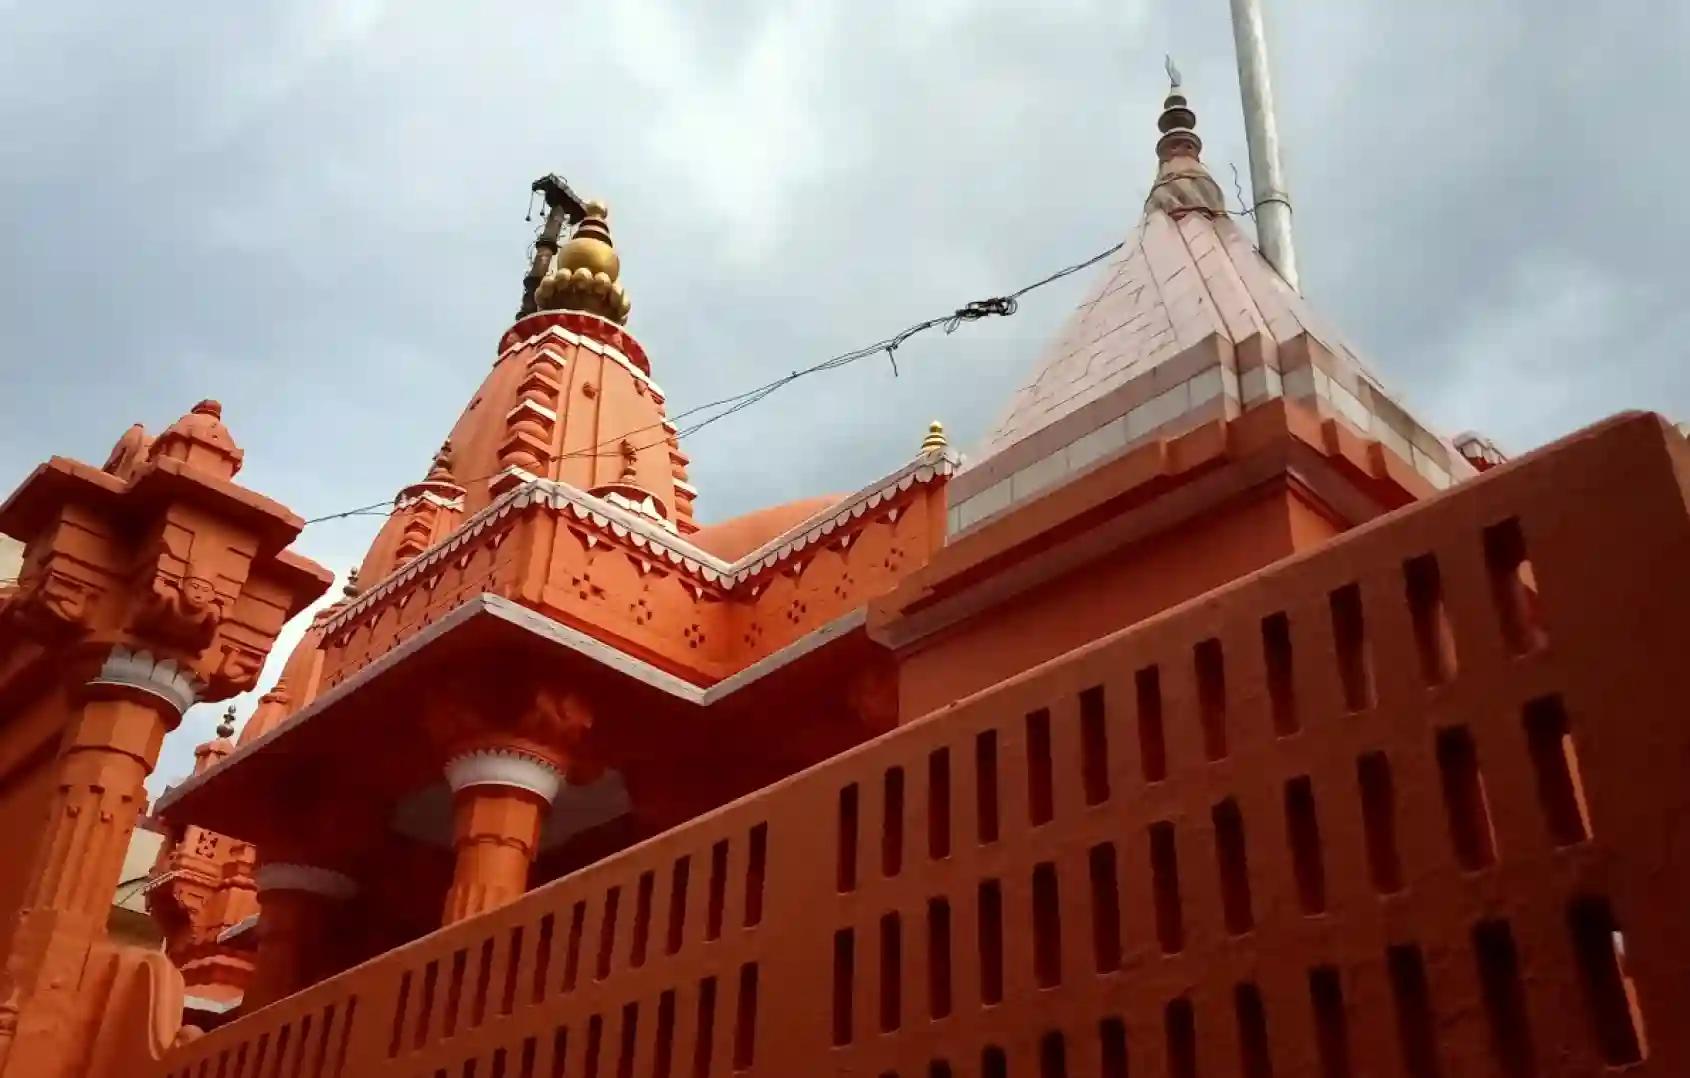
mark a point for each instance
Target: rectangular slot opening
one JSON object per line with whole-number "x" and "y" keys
{"x": 1105, "y": 908}
{"x": 844, "y": 983}
{"x": 1282, "y": 690}
{"x": 1040, "y": 800}
{"x": 1179, "y": 1024}
{"x": 1349, "y": 637}
{"x": 678, "y": 903}
{"x": 1412, "y": 998}
{"x": 1164, "y": 875}
{"x": 663, "y": 1050}
{"x": 745, "y": 1018}
{"x": 642, "y": 917}
{"x": 1609, "y": 993}
{"x": 1331, "y": 1024}
{"x": 1112, "y": 1048}
{"x": 891, "y": 972}
{"x": 1379, "y": 821}
{"x": 1470, "y": 830}
{"x": 986, "y": 785}
{"x": 993, "y": 1064}
{"x": 1505, "y": 998}
{"x": 630, "y": 1028}
{"x": 1433, "y": 638}
{"x": 1302, "y": 826}
{"x": 704, "y": 1041}
{"x": 498, "y": 1069}
{"x": 939, "y": 1069}
{"x": 848, "y": 839}
{"x": 939, "y": 803}
{"x": 1053, "y": 1055}
{"x": 756, "y": 868}
{"x": 892, "y": 823}
{"x": 1211, "y": 696}
{"x": 454, "y": 993}
{"x": 1514, "y": 587}
{"x": 1152, "y": 741}
{"x": 607, "y": 932}
{"x": 560, "y": 1050}
{"x": 938, "y": 958}
{"x": 513, "y": 963}
{"x": 1094, "y": 746}
{"x": 483, "y": 982}
{"x": 398, "y": 1017}
{"x": 719, "y": 886}
{"x": 991, "y": 942}
{"x": 1254, "y": 1058}
{"x": 1560, "y": 788}
{"x": 595, "y": 1042}
{"x": 1234, "y": 867}
{"x": 572, "y": 952}
{"x": 531, "y": 1053}
{"x": 1047, "y": 926}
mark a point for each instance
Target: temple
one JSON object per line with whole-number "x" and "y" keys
{"x": 1217, "y": 717}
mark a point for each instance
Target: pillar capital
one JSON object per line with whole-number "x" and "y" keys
{"x": 311, "y": 879}
{"x": 128, "y": 670}
{"x": 516, "y": 768}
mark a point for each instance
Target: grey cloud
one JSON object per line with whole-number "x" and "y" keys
{"x": 313, "y": 212}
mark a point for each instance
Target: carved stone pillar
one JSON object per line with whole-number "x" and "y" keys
{"x": 298, "y": 909}
{"x": 500, "y": 798}
{"x": 128, "y": 707}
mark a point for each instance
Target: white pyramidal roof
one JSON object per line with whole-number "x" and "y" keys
{"x": 1189, "y": 323}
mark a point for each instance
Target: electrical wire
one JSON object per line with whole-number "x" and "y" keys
{"x": 996, "y": 306}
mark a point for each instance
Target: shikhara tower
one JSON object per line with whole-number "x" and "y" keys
{"x": 1218, "y": 717}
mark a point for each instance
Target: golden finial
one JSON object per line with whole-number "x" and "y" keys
{"x": 586, "y": 275}
{"x": 226, "y": 728}
{"x": 935, "y": 441}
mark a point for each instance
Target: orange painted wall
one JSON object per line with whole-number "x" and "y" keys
{"x": 1050, "y": 901}
{"x": 1127, "y": 586}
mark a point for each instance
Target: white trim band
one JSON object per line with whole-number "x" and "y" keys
{"x": 285, "y": 876}
{"x": 139, "y": 669}
{"x": 504, "y": 767}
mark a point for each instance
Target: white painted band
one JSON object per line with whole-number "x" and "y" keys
{"x": 163, "y": 678}
{"x": 504, "y": 767}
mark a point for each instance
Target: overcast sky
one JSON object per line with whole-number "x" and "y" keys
{"x": 314, "y": 212}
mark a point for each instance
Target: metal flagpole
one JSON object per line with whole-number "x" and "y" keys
{"x": 1267, "y": 172}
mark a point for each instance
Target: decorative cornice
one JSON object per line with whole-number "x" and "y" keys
{"x": 648, "y": 535}
{"x": 485, "y": 606}
{"x": 581, "y": 340}
{"x": 504, "y": 767}
{"x": 286, "y": 876}
{"x": 136, "y": 668}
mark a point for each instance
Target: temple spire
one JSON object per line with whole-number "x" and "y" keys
{"x": 1183, "y": 184}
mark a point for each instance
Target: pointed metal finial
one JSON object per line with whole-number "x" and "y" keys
{"x": 1173, "y": 72}
{"x": 226, "y": 728}
{"x": 935, "y": 442}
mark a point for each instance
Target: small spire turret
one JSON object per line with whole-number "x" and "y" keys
{"x": 1183, "y": 184}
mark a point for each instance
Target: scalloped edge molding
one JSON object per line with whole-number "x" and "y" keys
{"x": 137, "y": 668}
{"x": 504, "y": 767}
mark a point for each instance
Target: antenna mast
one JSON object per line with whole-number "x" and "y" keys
{"x": 562, "y": 206}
